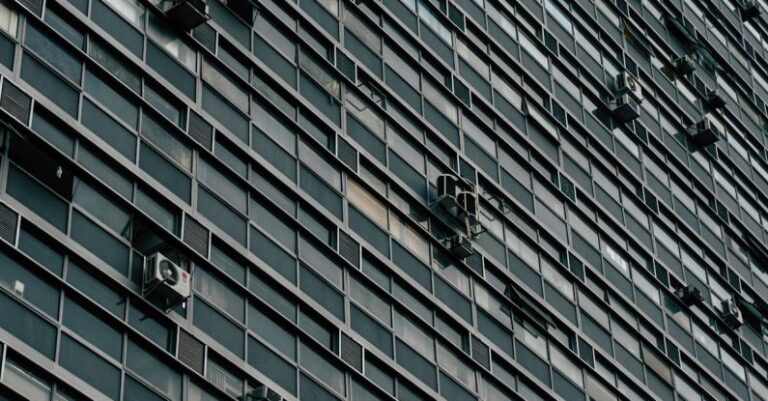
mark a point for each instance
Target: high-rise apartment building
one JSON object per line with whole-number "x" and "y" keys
{"x": 380, "y": 200}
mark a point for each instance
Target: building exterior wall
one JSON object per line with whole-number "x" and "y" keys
{"x": 286, "y": 152}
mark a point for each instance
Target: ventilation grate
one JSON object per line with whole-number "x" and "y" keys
{"x": 8, "y": 224}
{"x": 481, "y": 353}
{"x": 206, "y": 36}
{"x": 347, "y": 153}
{"x": 196, "y": 236}
{"x": 200, "y": 130}
{"x": 17, "y": 103}
{"x": 351, "y": 352}
{"x": 349, "y": 249}
{"x": 191, "y": 352}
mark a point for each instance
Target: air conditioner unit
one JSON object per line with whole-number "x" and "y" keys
{"x": 627, "y": 84}
{"x": 684, "y": 65}
{"x": 705, "y": 132}
{"x": 468, "y": 206}
{"x": 165, "y": 282}
{"x": 261, "y": 393}
{"x": 690, "y": 295}
{"x": 447, "y": 189}
{"x": 460, "y": 246}
{"x": 714, "y": 100}
{"x": 187, "y": 14}
{"x": 749, "y": 9}
{"x": 731, "y": 314}
{"x": 625, "y": 108}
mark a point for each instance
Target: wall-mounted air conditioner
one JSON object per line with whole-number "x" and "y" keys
{"x": 689, "y": 295}
{"x": 626, "y": 84}
{"x": 705, "y": 132}
{"x": 624, "y": 109}
{"x": 731, "y": 314}
{"x": 165, "y": 282}
{"x": 187, "y": 14}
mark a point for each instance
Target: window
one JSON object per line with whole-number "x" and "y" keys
{"x": 52, "y": 52}
{"x": 9, "y": 20}
{"x": 531, "y": 337}
{"x": 88, "y": 366}
{"x": 321, "y": 292}
{"x": 152, "y": 369}
{"x": 326, "y": 371}
{"x": 27, "y": 326}
{"x": 155, "y": 330}
{"x": 40, "y": 248}
{"x": 430, "y": 20}
{"x": 131, "y": 10}
{"x": 219, "y": 293}
{"x": 93, "y": 329}
{"x": 105, "y": 93}
{"x": 171, "y": 42}
{"x": 414, "y": 336}
{"x": 369, "y": 299}
{"x": 222, "y": 184}
{"x": 95, "y": 289}
{"x": 27, "y": 284}
{"x": 102, "y": 208}
{"x": 274, "y": 367}
{"x": 367, "y": 202}
{"x": 167, "y": 140}
{"x": 100, "y": 242}
{"x": 218, "y": 327}
{"x": 272, "y": 331}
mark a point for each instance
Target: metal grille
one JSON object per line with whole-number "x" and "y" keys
{"x": 349, "y": 249}
{"x": 15, "y": 102}
{"x": 351, "y": 352}
{"x": 8, "y": 224}
{"x": 347, "y": 154}
{"x": 196, "y": 236}
{"x": 481, "y": 353}
{"x": 191, "y": 352}
{"x": 206, "y": 36}
{"x": 200, "y": 130}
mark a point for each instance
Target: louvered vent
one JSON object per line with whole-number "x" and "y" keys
{"x": 200, "y": 130}
{"x": 15, "y": 102}
{"x": 8, "y": 224}
{"x": 196, "y": 236}
{"x": 349, "y": 249}
{"x": 347, "y": 154}
{"x": 191, "y": 352}
{"x": 206, "y": 36}
{"x": 36, "y": 6}
{"x": 351, "y": 352}
{"x": 481, "y": 353}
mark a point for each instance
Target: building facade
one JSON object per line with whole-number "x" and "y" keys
{"x": 408, "y": 200}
